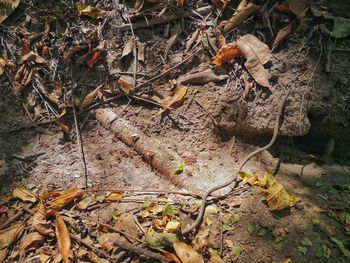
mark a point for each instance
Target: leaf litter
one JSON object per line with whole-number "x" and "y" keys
{"x": 161, "y": 223}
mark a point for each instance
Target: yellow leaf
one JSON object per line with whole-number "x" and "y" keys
{"x": 63, "y": 240}
{"x": 63, "y": 199}
{"x": 88, "y": 10}
{"x": 114, "y": 196}
{"x": 176, "y": 97}
{"x": 172, "y": 226}
{"x": 186, "y": 253}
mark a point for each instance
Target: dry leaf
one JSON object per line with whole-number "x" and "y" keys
{"x": 106, "y": 240}
{"x": 114, "y": 196}
{"x": 65, "y": 198}
{"x": 297, "y": 6}
{"x": 3, "y": 63}
{"x": 221, "y": 4}
{"x": 125, "y": 84}
{"x": 126, "y": 223}
{"x": 193, "y": 39}
{"x": 9, "y": 235}
{"x": 282, "y": 34}
{"x": 29, "y": 241}
{"x": 239, "y": 17}
{"x": 33, "y": 57}
{"x": 71, "y": 52}
{"x": 186, "y": 253}
{"x": 175, "y": 98}
{"x": 7, "y": 7}
{"x": 129, "y": 46}
{"x": 283, "y": 8}
{"x": 88, "y": 10}
{"x": 172, "y": 257}
{"x": 90, "y": 97}
{"x": 40, "y": 223}
{"x": 94, "y": 258}
{"x": 63, "y": 240}
{"x": 141, "y": 51}
{"x": 57, "y": 90}
{"x": 96, "y": 55}
{"x": 24, "y": 194}
{"x": 256, "y": 54}
{"x": 86, "y": 202}
{"x": 22, "y": 78}
{"x": 226, "y": 53}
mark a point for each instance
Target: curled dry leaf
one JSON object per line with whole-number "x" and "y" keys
{"x": 282, "y": 34}
{"x": 24, "y": 194}
{"x": 186, "y": 253}
{"x": 129, "y": 46}
{"x": 256, "y": 54}
{"x": 7, "y": 7}
{"x": 201, "y": 78}
{"x": 239, "y": 17}
{"x": 90, "y": 97}
{"x": 226, "y": 53}
{"x": 3, "y": 63}
{"x": 64, "y": 198}
{"x": 40, "y": 223}
{"x": 175, "y": 97}
{"x": 63, "y": 240}
{"x": 30, "y": 241}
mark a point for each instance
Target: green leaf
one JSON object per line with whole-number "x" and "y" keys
{"x": 168, "y": 211}
{"x": 236, "y": 250}
{"x": 228, "y": 227}
{"x": 318, "y": 184}
{"x": 179, "y": 169}
{"x": 208, "y": 221}
{"x": 341, "y": 246}
{"x": 146, "y": 203}
{"x": 315, "y": 220}
{"x": 324, "y": 197}
{"x": 306, "y": 242}
{"x": 341, "y": 28}
{"x": 212, "y": 209}
{"x": 302, "y": 250}
{"x": 262, "y": 232}
{"x": 323, "y": 251}
{"x": 251, "y": 229}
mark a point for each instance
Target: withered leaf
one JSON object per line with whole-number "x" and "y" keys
{"x": 282, "y": 34}
{"x": 63, "y": 240}
{"x": 297, "y": 6}
{"x": 186, "y": 253}
{"x": 201, "y": 78}
{"x": 88, "y": 10}
{"x": 24, "y": 194}
{"x": 125, "y": 84}
{"x": 7, "y": 7}
{"x": 3, "y": 63}
{"x": 141, "y": 51}
{"x": 226, "y": 53}
{"x": 31, "y": 240}
{"x": 33, "y": 57}
{"x": 95, "y": 56}
{"x": 90, "y": 97}
{"x": 65, "y": 198}
{"x": 9, "y": 235}
{"x": 126, "y": 223}
{"x": 129, "y": 46}
{"x": 256, "y": 54}
{"x": 221, "y": 4}
{"x": 74, "y": 50}
{"x": 176, "y": 97}
{"x": 40, "y": 223}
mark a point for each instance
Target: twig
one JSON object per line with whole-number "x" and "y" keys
{"x": 17, "y": 215}
{"x": 234, "y": 178}
{"x": 141, "y": 251}
{"x": 209, "y": 114}
{"x": 79, "y": 141}
{"x": 166, "y": 72}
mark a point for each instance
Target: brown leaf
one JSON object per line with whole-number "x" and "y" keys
{"x": 63, "y": 240}
{"x": 175, "y": 97}
{"x": 3, "y": 63}
{"x": 30, "y": 241}
{"x": 7, "y": 7}
{"x": 193, "y": 39}
{"x": 186, "y": 253}
{"x": 282, "y": 34}
{"x": 24, "y": 194}
{"x": 220, "y": 4}
{"x": 297, "y": 6}
{"x": 22, "y": 78}
{"x": 9, "y": 235}
{"x": 283, "y": 8}
{"x": 90, "y": 97}
{"x": 71, "y": 52}
{"x": 239, "y": 17}
{"x": 33, "y": 57}
{"x": 106, "y": 240}
{"x": 40, "y": 223}
{"x": 126, "y": 223}
{"x": 114, "y": 196}
{"x": 226, "y": 53}
{"x": 141, "y": 51}
{"x": 125, "y": 84}
{"x": 95, "y": 56}
{"x": 129, "y": 46}
{"x": 65, "y": 198}
{"x": 257, "y": 54}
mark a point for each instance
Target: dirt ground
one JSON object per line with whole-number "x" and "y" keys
{"x": 212, "y": 131}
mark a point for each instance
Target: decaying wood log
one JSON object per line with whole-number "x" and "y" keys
{"x": 155, "y": 153}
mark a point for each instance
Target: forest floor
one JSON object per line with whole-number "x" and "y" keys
{"x": 158, "y": 149}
